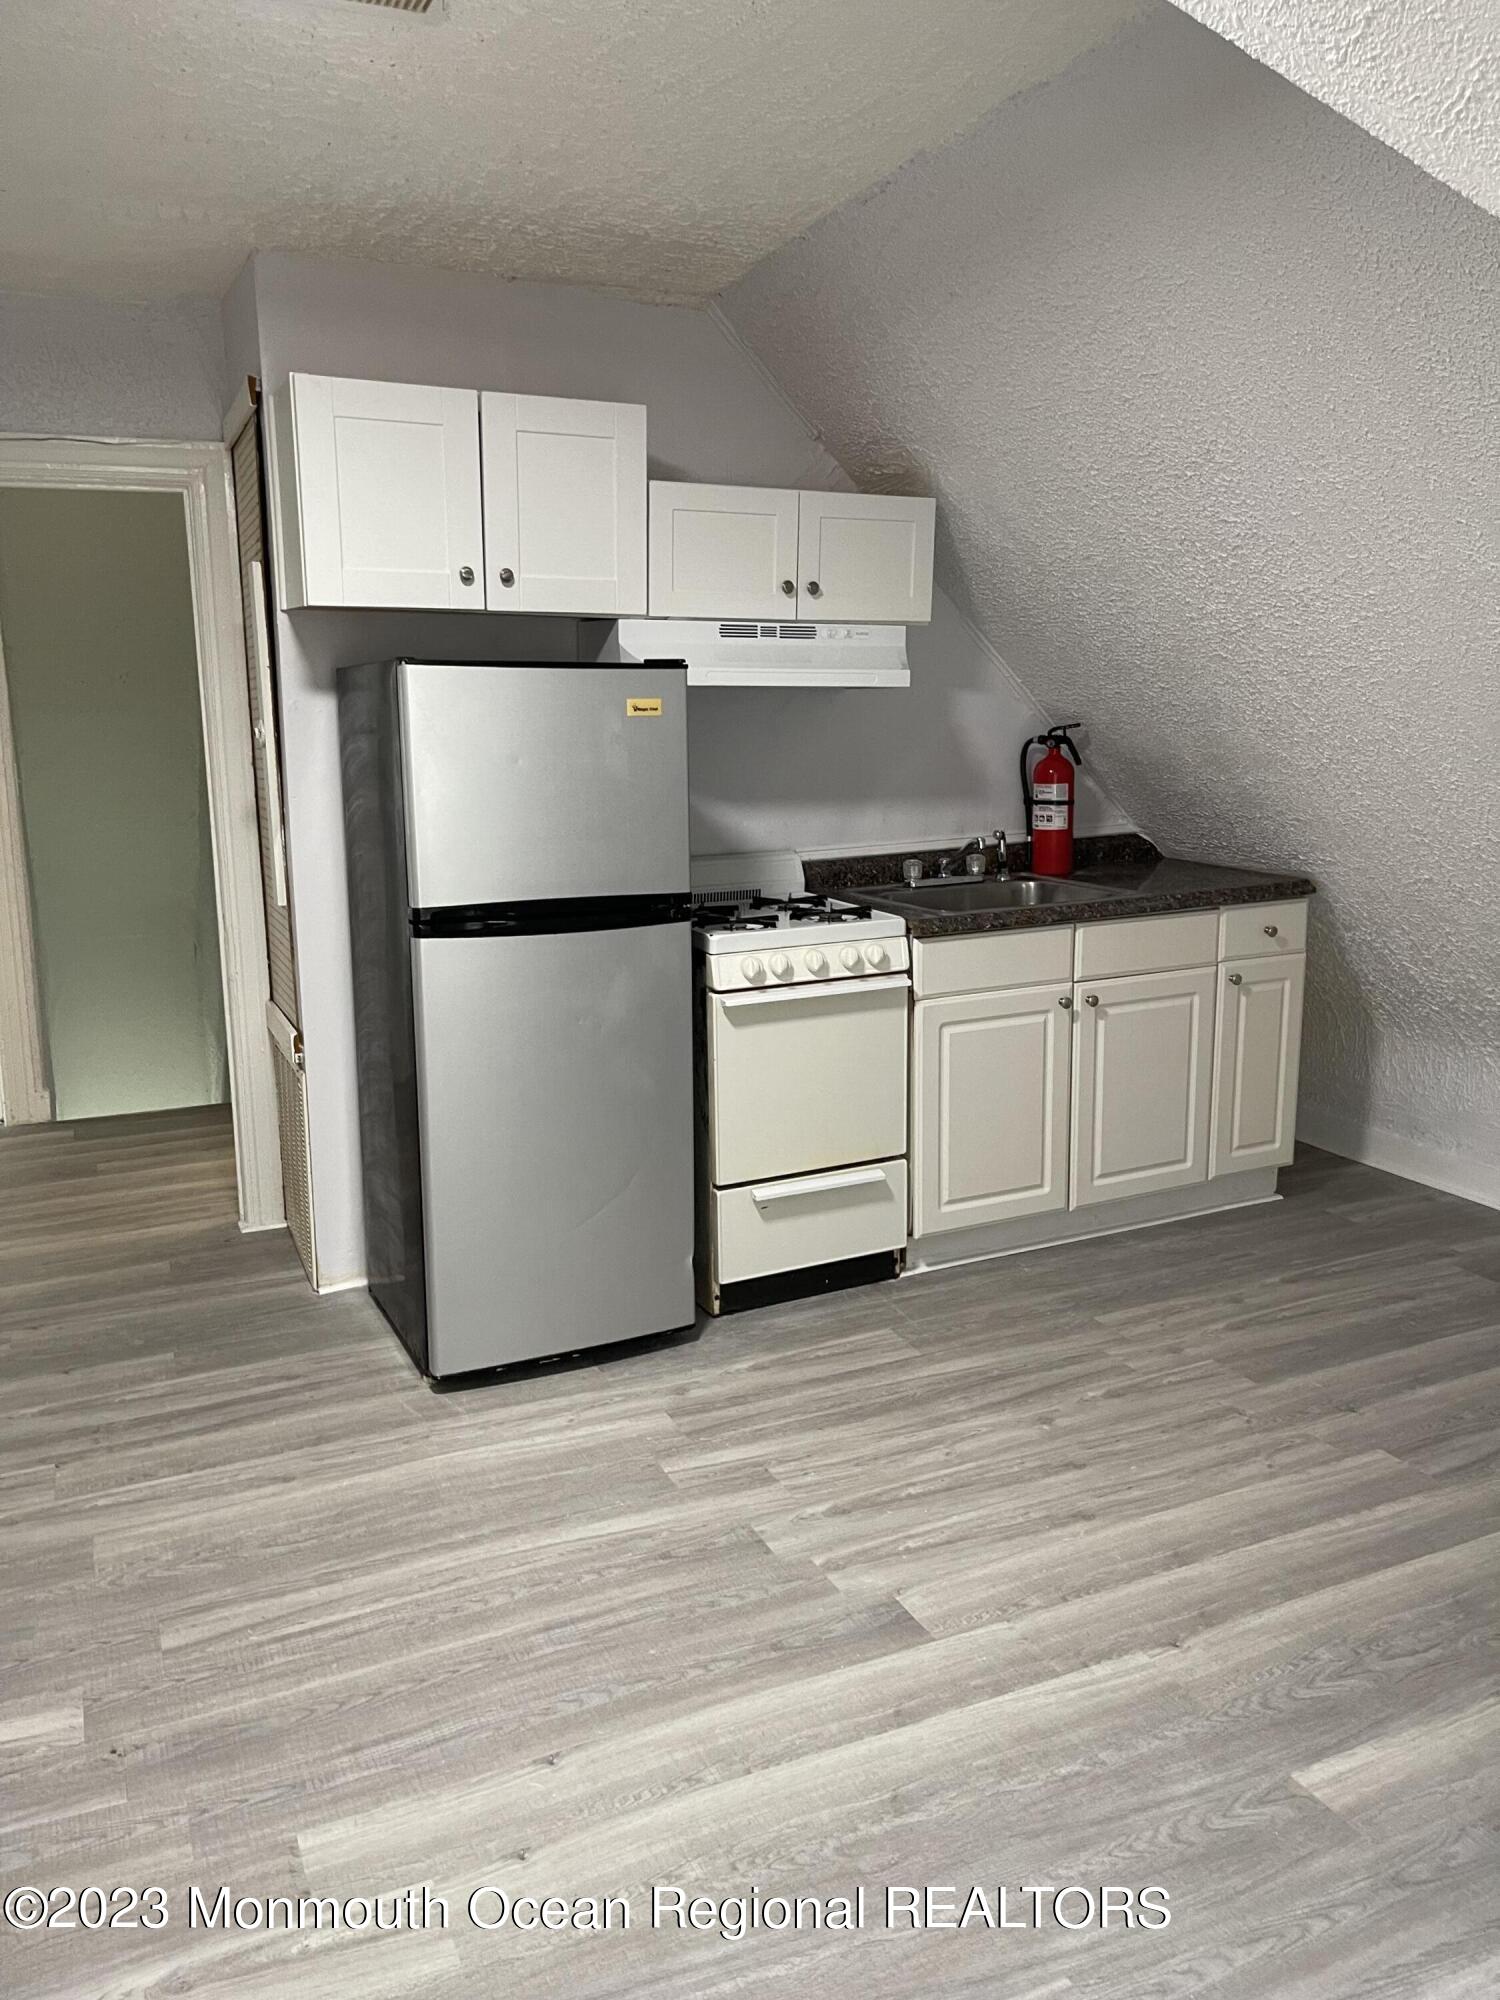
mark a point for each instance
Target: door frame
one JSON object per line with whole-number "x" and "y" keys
{"x": 201, "y": 474}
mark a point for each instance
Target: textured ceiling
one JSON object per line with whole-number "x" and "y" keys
{"x": 1424, "y": 75}
{"x": 659, "y": 147}
{"x": 1205, "y": 380}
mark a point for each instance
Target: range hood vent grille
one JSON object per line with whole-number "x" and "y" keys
{"x": 405, "y": 6}
{"x": 743, "y": 629}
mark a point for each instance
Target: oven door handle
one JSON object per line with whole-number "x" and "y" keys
{"x": 840, "y": 989}
{"x": 815, "y": 1184}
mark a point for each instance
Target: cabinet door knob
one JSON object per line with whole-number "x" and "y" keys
{"x": 1092, "y": 998}
{"x": 815, "y": 590}
{"x": 507, "y": 577}
{"x": 788, "y": 588}
{"x": 466, "y": 575}
{"x": 1066, "y": 1000}
{"x": 1236, "y": 978}
{"x": 1270, "y": 930}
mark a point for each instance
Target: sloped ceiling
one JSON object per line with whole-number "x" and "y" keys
{"x": 1424, "y": 75}
{"x": 1205, "y": 380}
{"x": 147, "y": 146}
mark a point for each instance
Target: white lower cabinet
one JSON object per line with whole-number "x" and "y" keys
{"x": 1257, "y": 1047}
{"x": 1060, "y": 1070}
{"x": 990, "y": 1110}
{"x": 1142, "y": 1084}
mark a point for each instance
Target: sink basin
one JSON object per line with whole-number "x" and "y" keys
{"x": 963, "y": 899}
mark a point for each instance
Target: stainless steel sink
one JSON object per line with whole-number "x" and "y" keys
{"x": 962, "y": 899}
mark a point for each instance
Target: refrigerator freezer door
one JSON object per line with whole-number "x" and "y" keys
{"x": 526, "y": 782}
{"x": 554, "y": 1082}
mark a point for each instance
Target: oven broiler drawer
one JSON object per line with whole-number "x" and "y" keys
{"x": 785, "y": 1225}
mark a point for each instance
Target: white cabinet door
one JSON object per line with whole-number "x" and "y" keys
{"x": 564, "y": 505}
{"x": 723, "y": 551}
{"x": 1142, "y": 1087}
{"x": 378, "y": 487}
{"x": 1257, "y": 1050}
{"x": 990, "y": 1107}
{"x": 866, "y": 556}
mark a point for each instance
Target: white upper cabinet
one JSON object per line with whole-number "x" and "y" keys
{"x": 767, "y": 552}
{"x": 1256, "y": 1056}
{"x": 866, "y": 556}
{"x": 1141, "y": 1088}
{"x": 564, "y": 505}
{"x": 381, "y": 502}
{"x": 378, "y": 494}
{"x": 723, "y": 551}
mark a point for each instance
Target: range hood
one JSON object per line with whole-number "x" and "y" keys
{"x": 748, "y": 652}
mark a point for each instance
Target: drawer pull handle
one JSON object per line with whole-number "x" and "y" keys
{"x": 1092, "y": 998}
{"x": 1270, "y": 930}
{"x": 823, "y": 1184}
{"x": 1236, "y": 978}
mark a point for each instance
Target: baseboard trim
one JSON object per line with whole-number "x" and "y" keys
{"x": 342, "y": 1285}
{"x": 945, "y": 1251}
{"x": 1375, "y": 1146}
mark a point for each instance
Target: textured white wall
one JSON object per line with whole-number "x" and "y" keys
{"x": 78, "y": 367}
{"x": 1205, "y": 380}
{"x": 1424, "y": 75}
{"x": 858, "y": 768}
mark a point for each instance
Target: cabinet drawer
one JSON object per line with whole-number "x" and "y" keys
{"x": 1146, "y": 944}
{"x": 1263, "y": 930}
{"x": 983, "y": 963}
{"x": 782, "y": 1225}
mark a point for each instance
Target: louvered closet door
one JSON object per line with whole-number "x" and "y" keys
{"x": 284, "y": 1011}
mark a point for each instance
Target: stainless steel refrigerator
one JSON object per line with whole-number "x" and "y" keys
{"x": 518, "y": 876}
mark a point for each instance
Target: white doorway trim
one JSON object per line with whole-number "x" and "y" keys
{"x": 25, "y": 1095}
{"x": 201, "y": 474}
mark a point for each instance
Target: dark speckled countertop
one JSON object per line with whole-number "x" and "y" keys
{"x": 1146, "y": 883}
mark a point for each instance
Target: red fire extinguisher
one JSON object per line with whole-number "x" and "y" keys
{"x": 1047, "y": 788}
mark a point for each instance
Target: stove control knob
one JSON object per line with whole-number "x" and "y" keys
{"x": 781, "y": 965}
{"x": 753, "y": 970}
{"x": 815, "y": 962}
{"x": 876, "y": 954}
{"x": 850, "y": 958}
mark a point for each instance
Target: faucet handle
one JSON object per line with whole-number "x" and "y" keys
{"x": 911, "y": 871}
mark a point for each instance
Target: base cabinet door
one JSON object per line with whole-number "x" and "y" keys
{"x": 1257, "y": 1048}
{"x": 990, "y": 1107}
{"x": 564, "y": 505}
{"x": 1142, "y": 1084}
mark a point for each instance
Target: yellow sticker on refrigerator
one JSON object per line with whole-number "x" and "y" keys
{"x": 643, "y": 704}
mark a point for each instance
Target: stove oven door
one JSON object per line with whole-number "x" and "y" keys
{"x": 804, "y": 1078}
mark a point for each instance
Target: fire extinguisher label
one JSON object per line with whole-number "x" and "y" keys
{"x": 1049, "y": 819}
{"x": 1049, "y": 791}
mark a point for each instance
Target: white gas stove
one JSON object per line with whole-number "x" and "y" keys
{"x": 802, "y": 1024}
{"x": 766, "y": 942}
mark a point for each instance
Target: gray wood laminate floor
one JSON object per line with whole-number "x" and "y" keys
{"x": 1171, "y": 1558}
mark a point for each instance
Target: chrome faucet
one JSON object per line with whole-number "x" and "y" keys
{"x": 1002, "y": 854}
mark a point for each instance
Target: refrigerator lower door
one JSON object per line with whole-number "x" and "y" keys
{"x": 554, "y": 1081}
